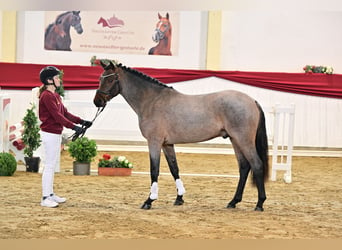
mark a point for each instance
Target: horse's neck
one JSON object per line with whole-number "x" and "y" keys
{"x": 166, "y": 42}
{"x": 164, "y": 45}
{"x": 139, "y": 92}
{"x": 66, "y": 27}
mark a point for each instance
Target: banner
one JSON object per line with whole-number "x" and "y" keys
{"x": 117, "y": 32}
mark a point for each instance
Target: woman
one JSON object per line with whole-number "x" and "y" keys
{"x": 54, "y": 116}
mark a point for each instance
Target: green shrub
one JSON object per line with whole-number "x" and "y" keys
{"x": 31, "y": 136}
{"x": 8, "y": 164}
{"x": 82, "y": 149}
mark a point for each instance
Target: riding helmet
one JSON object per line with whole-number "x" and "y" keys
{"x": 48, "y": 73}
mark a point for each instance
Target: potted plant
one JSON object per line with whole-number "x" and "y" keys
{"x": 118, "y": 166}
{"x": 31, "y": 139}
{"x": 8, "y": 164}
{"x": 83, "y": 150}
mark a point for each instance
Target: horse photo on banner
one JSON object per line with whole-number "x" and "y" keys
{"x": 57, "y": 34}
{"x": 116, "y": 32}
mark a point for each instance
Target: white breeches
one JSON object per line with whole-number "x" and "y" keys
{"x": 52, "y": 152}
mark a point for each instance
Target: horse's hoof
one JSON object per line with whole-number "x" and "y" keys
{"x": 259, "y": 209}
{"x": 179, "y": 201}
{"x": 146, "y": 206}
{"x": 231, "y": 206}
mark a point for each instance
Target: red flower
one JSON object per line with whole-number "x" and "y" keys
{"x": 106, "y": 157}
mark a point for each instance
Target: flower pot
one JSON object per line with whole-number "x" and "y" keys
{"x": 115, "y": 171}
{"x": 32, "y": 164}
{"x": 81, "y": 168}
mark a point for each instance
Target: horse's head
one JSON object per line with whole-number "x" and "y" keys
{"x": 109, "y": 86}
{"x": 76, "y": 22}
{"x": 163, "y": 28}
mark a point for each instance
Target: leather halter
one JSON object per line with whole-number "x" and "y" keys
{"x": 161, "y": 34}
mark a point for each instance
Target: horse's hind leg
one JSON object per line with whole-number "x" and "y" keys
{"x": 258, "y": 177}
{"x": 170, "y": 156}
{"x": 256, "y": 166}
{"x": 244, "y": 169}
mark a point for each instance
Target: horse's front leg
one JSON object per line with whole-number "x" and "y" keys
{"x": 154, "y": 170}
{"x": 170, "y": 156}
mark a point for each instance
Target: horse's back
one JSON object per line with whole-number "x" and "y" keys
{"x": 224, "y": 103}
{"x": 182, "y": 118}
{"x": 238, "y": 109}
{"x": 232, "y": 100}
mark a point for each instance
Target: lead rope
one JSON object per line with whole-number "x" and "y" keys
{"x": 80, "y": 135}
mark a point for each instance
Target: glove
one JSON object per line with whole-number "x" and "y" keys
{"x": 78, "y": 131}
{"x": 86, "y": 124}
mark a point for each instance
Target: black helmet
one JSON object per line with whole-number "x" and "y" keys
{"x": 48, "y": 73}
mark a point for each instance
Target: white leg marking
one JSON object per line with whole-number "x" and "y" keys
{"x": 154, "y": 191}
{"x": 180, "y": 187}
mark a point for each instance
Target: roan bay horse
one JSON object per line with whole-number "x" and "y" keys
{"x": 167, "y": 117}
{"x": 162, "y": 35}
{"x": 57, "y": 34}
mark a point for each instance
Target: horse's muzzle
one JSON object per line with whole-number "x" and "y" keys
{"x": 99, "y": 102}
{"x": 157, "y": 35}
{"x": 79, "y": 28}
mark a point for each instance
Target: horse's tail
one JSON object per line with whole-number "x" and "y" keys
{"x": 261, "y": 143}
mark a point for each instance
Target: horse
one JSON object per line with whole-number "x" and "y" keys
{"x": 168, "y": 117}
{"x": 57, "y": 34}
{"x": 162, "y": 35}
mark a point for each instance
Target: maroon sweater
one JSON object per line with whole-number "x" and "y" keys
{"x": 53, "y": 115}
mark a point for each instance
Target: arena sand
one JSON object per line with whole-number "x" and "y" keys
{"x": 100, "y": 207}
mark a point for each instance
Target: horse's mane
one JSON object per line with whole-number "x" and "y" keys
{"x": 61, "y": 16}
{"x": 142, "y": 75}
{"x": 48, "y": 29}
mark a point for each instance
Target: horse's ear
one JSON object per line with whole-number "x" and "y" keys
{"x": 167, "y": 16}
{"x": 103, "y": 64}
{"x": 108, "y": 66}
{"x": 111, "y": 65}
{"x": 159, "y": 16}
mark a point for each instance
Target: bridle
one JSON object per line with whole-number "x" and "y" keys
{"x": 108, "y": 95}
{"x": 161, "y": 33}
{"x": 76, "y": 135}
